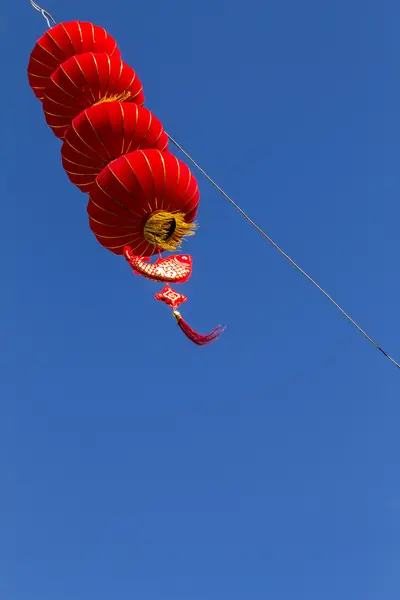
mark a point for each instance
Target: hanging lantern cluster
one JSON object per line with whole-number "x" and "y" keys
{"x": 142, "y": 199}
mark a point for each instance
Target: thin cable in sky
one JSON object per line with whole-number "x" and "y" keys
{"x": 286, "y": 256}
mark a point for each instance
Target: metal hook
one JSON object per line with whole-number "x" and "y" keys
{"x": 45, "y": 14}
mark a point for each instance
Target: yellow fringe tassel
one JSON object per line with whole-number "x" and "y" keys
{"x": 166, "y": 230}
{"x": 115, "y": 97}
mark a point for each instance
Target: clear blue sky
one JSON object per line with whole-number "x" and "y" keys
{"x": 266, "y": 466}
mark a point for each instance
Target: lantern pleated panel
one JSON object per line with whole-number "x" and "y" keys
{"x": 146, "y": 199}
{"x": 104, "y": 132}
{"x": 61, "y": 43}
{"x": 85, "y": 80}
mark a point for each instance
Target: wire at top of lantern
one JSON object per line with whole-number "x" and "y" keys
{"x": 45, "y": 14}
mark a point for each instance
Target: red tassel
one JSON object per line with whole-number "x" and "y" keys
{"x": 197, "y": 338}
{"x": 174, "y": 299}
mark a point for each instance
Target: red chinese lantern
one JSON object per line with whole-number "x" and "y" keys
{"x": 142, "y": 199}
{"x": 85, "y": 80}
{"x": 62, "y": 42}
{"x": 104, "y": 132}
{"x": 146, "y": 199}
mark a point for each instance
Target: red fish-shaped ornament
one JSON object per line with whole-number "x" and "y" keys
{"x": 173, "y": 269}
